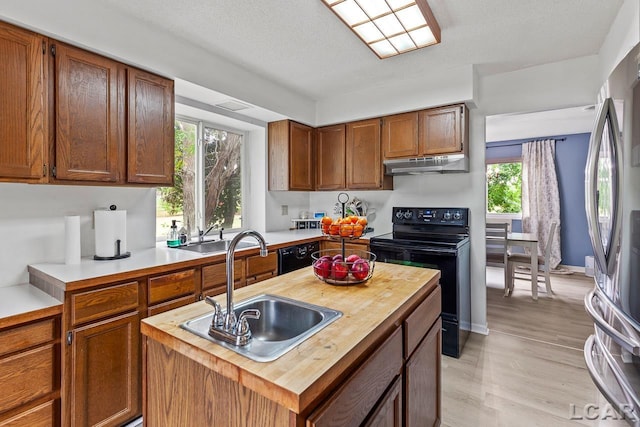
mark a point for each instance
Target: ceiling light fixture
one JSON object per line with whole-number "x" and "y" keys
{"x": 389, "y": 27}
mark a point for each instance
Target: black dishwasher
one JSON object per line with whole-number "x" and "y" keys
{"x": 295, "y": 257}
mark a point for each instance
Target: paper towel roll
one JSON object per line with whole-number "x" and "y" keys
{"x": 110, "y": 226}
{"x": 72, "y": 239}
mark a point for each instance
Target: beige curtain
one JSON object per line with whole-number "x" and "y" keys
{"x": 540, "y": 196}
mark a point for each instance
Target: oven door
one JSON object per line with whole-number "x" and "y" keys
{"x": 443, "y": 259}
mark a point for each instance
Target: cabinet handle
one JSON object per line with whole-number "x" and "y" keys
{"x": 69, "y": 337}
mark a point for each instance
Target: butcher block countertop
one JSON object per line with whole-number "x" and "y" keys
{"x": 370, "y": 311}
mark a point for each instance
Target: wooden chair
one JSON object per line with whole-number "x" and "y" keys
{"x": 524, "y": 260}
{"x": 496, "y": 245}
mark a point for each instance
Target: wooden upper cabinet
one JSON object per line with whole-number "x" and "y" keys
{"x": 330, "y": 155}
{"x": 364, "y": 156}
{"x": 22, "y": 103}
{"x": 150, "y": 149}
{"x": 443, "y": 130}
{"x": 300, "y": 156}
{"x": 290, "y": 156}
{"x": 400, "y": 135}
{"x": 89, "y": 115}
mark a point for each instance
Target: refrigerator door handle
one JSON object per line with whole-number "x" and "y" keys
{"x": 605, "y": 257}
{"x": 628, "y": 342}
{"x": 629, "y": 409}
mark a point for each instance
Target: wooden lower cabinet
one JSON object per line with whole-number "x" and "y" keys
{"x": 105, "y": 377}
{"x": 30, "y": 374}
{"x": 260, "y": 268}
{"x": 102, "y": 362}
{"x": 397, "y": 383}
{"x": 214, "y": 277}
{"x": 388, "y": 412}
{"x": 352, "y": 403}
{"x": 422, "y": 381}
{"x": 335, "y": 245}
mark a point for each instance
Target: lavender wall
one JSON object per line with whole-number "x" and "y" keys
{"x": 571, "y": 158}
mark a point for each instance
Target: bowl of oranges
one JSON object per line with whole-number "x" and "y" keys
{"x": 349, "y": 227}
{"x": 337, "y": 268}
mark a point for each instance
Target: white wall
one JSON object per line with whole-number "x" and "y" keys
{"x": 32, "y": 222}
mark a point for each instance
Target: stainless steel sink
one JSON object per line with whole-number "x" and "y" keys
{"x": 215, "y": 246}
{"x": 283, "y": 324}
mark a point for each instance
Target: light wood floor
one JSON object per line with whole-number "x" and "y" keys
{"x": 530, "y": 369}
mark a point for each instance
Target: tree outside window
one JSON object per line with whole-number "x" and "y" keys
{"x": 208, "y": 180}
{"x": 504, "y": 188}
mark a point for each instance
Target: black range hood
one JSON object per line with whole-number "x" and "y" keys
{"x": 451, "y": 163}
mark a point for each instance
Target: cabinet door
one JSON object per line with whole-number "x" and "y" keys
{"x": 300, "y": 157}
{"x": 400, "y": 136}
{"x": 261, "y": 268}
{"x": 388, "y": 412}
{"x": 22, "y": 103}
{"x": 441, "y": 130}
{"x": 330, "y": 155}
{"x": 356, "y": 398}
{"x": 89, "y": 143}
{"x": 363, "y": 155}
{"x": 105, "y": 372}
{"x": 150, "y": 142}
{"x": 422, "y": 381}
{"x": 214, "y": 277}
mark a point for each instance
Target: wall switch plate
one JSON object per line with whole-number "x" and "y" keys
{"x": 285, "y": 209}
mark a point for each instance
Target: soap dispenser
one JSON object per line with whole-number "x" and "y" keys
{"x": 173, "y": 238}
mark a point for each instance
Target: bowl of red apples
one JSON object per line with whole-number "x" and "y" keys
{"x": 338, "y": 267}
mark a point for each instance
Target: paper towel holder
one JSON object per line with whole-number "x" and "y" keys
{"x": 118, "y": 255}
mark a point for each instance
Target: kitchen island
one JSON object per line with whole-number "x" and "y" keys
{"x": 378, "y": 363}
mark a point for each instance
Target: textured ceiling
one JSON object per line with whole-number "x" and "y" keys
{"x": 300, "y": 44}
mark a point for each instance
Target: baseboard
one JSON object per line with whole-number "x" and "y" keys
{"x": 480, "y": 329}
{"x": 574, "y": 268}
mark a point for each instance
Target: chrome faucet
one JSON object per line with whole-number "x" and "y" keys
{"x": 201, "y": 233}
{"x": 228, "y": 328}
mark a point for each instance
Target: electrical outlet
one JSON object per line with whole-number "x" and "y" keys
{"x": 285, "y": 209}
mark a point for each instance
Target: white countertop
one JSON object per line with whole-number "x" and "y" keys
{"x": 23, "y": 298}
{"x": 152, "y": 257}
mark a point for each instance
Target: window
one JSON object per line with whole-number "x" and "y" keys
{"x": 208, "y": 181}
{"x": 504, "y": 188}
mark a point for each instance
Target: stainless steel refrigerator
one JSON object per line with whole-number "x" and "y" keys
{"x": 612, "y": 353}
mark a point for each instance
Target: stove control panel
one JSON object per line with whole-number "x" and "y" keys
{"x": 435, "y": 216}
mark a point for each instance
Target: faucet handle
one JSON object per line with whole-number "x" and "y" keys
{"x": 218, "y": 318}
{"x": 242, "y": 326}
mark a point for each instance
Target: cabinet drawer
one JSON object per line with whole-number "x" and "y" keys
{"x": 215, "y": 275}
{"x": 419, "y": 322}
{"x": 100, "y": 303}
{"x": 27, "y": 376}
{"x": 354, "y": 400}
{"x": 260, "y": 277}
{"x": 44, "y": 415}
{"x": 23, "y": 337}
{"x": 172, "y": 285}
{"x": 257, "y": 265}
{"x": 170, "y": 305}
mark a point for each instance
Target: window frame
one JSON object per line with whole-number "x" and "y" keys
{"x": 199, "y": 164}
{"x": 495, "y": 215}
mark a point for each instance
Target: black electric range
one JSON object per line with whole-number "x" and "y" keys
{"x": 435, "y": 238}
